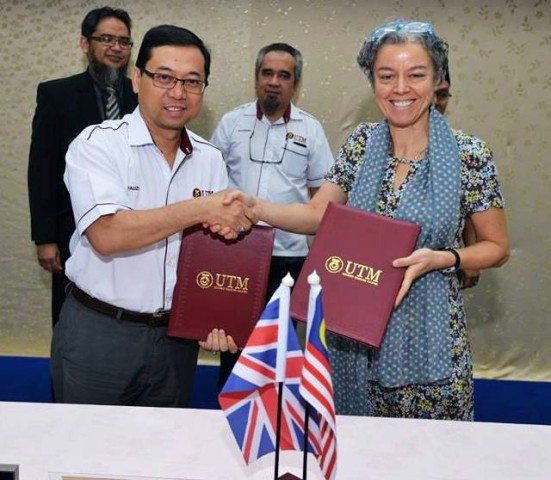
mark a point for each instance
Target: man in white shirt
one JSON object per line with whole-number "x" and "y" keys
{"x": 131, "y": 183}
{"x": 276, "y": 151}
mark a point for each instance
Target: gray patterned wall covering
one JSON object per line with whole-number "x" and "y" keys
{"x": 501, "y": 83}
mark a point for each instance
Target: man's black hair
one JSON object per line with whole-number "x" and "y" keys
{"x": 164, "y": 35}
{"x": 93, "y": 17}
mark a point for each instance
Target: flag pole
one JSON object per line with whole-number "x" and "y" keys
{"x": 314, "y": 282}
{"x": 278, "y": 431}
{"x": 281, "y": 360}
{"x": 305, "y": 450}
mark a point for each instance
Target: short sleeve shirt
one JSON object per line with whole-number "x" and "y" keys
{"x": 117, "y": 166}
{"x": 275, "y": 161}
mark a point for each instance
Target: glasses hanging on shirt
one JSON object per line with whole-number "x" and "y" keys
{"x": 258, "y": 155}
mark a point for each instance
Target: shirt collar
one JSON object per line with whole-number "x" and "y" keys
{"x": 185, "y": 142}
{"x": 139, "y": 134}
{"x": 260, "y": 112}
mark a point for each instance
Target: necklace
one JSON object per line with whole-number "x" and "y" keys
{"x": 409, "y": 161}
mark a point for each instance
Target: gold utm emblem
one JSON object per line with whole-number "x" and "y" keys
{"x": 289, "y": 135}
{"x": 334, "y": 264}
{"x": 196, "y": 192}
{"x": 204, "y": 279}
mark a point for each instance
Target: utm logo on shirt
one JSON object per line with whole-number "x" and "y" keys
{"x": 197, "y": 192}
{"x": 298, "y": 139}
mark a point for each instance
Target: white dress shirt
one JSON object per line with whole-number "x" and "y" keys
{"x": 116, "y": 166}
{"x": 275, "y": 161}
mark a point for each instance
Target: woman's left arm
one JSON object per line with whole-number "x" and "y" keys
{"x": 490, "y": 250}
{"x": 483, "y": 207}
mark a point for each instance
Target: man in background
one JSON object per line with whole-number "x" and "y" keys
{"x": 442, "y": 93}
{"x": 64, "y": 108}
{"x": 276, "y": 151}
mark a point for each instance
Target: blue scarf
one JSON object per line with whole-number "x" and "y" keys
{"x": 417, "y": 344}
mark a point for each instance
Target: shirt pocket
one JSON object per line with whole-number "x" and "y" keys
{"x": 295, "y": 160}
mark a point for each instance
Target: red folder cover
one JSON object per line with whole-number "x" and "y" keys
{"x": 352, "y": 253}
{"x": 220, "y": 283}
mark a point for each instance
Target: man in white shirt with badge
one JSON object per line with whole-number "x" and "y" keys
{"x": 276, "y": 151}
{"x": 135, "y": 184}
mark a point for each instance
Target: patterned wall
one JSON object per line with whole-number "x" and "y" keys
{"x": 501, "y": 82}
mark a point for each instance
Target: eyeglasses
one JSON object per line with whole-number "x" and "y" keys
{"x": 111, "y": 40}
{"x": 401, "y": 26}
{"x": 166, "y": 81}
{"x": 256, "y": 157}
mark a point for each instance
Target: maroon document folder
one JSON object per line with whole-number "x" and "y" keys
{"x": 220, "y": 284}
{"x": 353, "y": 253}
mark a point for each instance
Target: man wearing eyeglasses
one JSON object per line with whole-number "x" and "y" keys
{"x": 133, "y": 185}
{"x": 64, "y": 108}
{"x": 276, "y": 151}
{"x": 442, "y": 93}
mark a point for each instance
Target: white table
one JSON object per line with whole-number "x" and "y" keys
{"x": 197, "y": 444}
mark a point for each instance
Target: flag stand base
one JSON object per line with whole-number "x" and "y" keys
{"x": 288, "y": 476}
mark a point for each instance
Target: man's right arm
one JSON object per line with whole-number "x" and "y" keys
{"x": 104, "y": 213}
{"x": 42, "y": 182}
{"x": 129, "y": 230}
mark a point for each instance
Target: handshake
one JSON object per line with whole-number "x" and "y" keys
{"x": 230, "y": 212}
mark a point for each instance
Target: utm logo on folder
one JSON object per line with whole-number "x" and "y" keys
{"x": 223, "y": 281}
{"x": 353, "y": 270}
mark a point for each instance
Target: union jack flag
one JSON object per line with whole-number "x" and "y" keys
{"x": 316, "y": 386}
{"x": 250, "y": 396}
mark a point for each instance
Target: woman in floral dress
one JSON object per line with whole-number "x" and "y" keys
{"x": 414, "y": 167}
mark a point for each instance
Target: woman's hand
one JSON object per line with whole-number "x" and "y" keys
{"x": 421, "y": 261}
{"x": 235, "y": 197}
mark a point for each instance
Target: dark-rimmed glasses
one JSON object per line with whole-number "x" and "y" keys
{"x": 262, "y": 159}
{"x": 166, "y": 81}
{"x": 111, "y": 40}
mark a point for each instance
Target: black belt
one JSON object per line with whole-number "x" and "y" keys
{"x": 157, "y": 319}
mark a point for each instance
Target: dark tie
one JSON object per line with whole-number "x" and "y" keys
{"x": 112, "y": 111}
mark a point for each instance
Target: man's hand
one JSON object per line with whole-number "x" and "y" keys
{"x": 48, "y": 257}
{"x": 232, "y": 202}
{"x": 218, "y": 341}
{"x": 469, "y": 278}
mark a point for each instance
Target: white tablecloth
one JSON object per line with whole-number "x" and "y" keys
{"x": 197, "y": 444}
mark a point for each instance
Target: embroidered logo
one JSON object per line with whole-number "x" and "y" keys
{"x": 134, "y": 188}
{"x": 298, "y": 139}
{"x": 197, "y": 192}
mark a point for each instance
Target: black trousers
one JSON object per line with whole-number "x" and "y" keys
{"x": 59, "y": 287}
{"x": 279, "y": 267}
{"x": 66, "y": 227}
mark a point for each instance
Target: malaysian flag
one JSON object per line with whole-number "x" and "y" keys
{"x": 250, "y": 396}
{"x": 316, "y": 386}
